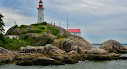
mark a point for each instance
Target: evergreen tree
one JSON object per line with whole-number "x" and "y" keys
{"x": 1, "y": 24}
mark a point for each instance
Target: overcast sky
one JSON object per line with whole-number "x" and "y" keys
{"x": 99, "y": 20}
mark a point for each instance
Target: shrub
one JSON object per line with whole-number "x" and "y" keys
{"x": 35, "y": 24}
{"x": 44, "y": 23}
{"x": 54, "y": 30}
{"x": 25, "y": 37}
{"x": 23, "y": 26}
{"x": 13, "y": 44}
{"x": 41, "y": 40}
{"x": 42, "y": 28}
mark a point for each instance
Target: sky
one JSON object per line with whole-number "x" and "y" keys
{"x": 99, "y": 20}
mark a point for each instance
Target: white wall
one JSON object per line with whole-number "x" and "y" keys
{"x": 76, "y": 33}
{"x": 40, "y": 15}
{"x": 12, "y": 36}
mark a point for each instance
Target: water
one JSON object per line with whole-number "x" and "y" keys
{"x": 114, "y": 64}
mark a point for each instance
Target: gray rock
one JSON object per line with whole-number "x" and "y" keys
{"x": 113, "y": 46}
{"x": 96, "y": 51}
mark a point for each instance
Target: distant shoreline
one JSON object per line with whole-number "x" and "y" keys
{"x": 100, "y": 44}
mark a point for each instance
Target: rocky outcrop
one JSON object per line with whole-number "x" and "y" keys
{"x": 67, "y": 45}
{"x": 6, "y": 56}
{"x": 53, "y": 51}
{"x": 80, "y": 41}
{"x": 113, "y": 46}
{"x": 101, "y": 57}
{"x": 35, "y": 59}
{"x": 72, "y": 44}
{"x": 32, "y": 49}
{"x": 96, "y": 51}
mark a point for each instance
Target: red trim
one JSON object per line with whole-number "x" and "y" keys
{"x": 40, "y": 6}
{"x": 74, "y": 30}
{"x": 40, "y": 1}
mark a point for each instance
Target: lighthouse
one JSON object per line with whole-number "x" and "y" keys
{"x": 40, "y": 12}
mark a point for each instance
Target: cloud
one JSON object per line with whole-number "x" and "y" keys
{"x": 11, "y": 15}
{"x": 94, "y": 7}
{"x": 99, "y": 20}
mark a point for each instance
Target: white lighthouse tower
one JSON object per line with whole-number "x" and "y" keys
{"x": 40, "y": 12}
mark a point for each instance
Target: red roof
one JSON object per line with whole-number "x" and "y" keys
{"x": 40, "y": 1}
{"x": 74, "y": 30}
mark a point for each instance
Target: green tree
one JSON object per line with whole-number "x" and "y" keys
{"x": 1, "y": 24}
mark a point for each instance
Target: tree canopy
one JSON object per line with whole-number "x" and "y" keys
{"x": 1, "y": 24}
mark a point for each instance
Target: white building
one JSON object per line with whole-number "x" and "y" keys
{"x": 75, "y": 32}
{"x": 12, "y": 36}
{"x": 40, "y": 12}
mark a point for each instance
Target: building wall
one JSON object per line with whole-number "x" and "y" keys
{"x": 76, "y": 33}
{"x": 12, "y": 36}
{"x": 40, "y": 15}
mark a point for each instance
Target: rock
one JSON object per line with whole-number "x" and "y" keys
{"x": 101, "y": 57}
{"x": 74, "y": 56}
{"x": 96, "y": 51}
{"x": 67, "y": 45}
{"x": 113, "y": 46}
{"x": 40, "y": 40}
{"x": 35, "y": 59}
{"x": 32, "y": 49}
{"x": 81, "y": 50}
{"x": 79, "y": 41}
{"x": 53, "y": 51}
{"x": 72, "y": 43}
{"x": 6, "y": 56}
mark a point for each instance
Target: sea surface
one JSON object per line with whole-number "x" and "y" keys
{"x": 114, "y": 64}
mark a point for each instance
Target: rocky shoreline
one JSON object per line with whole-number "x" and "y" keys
{"x": 53, "y": 45}
{"x": 53, "y": 55}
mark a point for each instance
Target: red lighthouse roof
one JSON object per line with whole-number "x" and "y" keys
{"x": 74, "y": 30}
{"x": 40, "y": 1}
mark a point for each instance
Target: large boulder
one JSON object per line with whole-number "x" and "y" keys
{"x": 67, "y": 45}
{"x": 74, "y": 56}
{"x": 6, "y": 56}
{"x": 80, "y": 41}
{"x": 113, "y": 46}
{"x": 72, "y": 43}
{"x": 53, "y": 51}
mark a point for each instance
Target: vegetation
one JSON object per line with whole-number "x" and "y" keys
{"x": 54, "y": 30}
{"x": 13, "y": 44}
{"x": 1, "y": 24}
{"x": 38, "y": 34}
{"x": 44, "y": 23}
{"x": 24, "y": 26}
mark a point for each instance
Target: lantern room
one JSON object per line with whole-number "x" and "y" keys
{"x": 40, "y": 4}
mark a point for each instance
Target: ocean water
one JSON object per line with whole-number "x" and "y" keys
{"x": 114, "y": 64}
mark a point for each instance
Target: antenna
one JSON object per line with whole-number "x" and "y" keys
{"x": 67, "y": 23}
{"x": 15, "y": 22}
{"x": 60, "y": 24}
{"x": 52, "y": 22}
